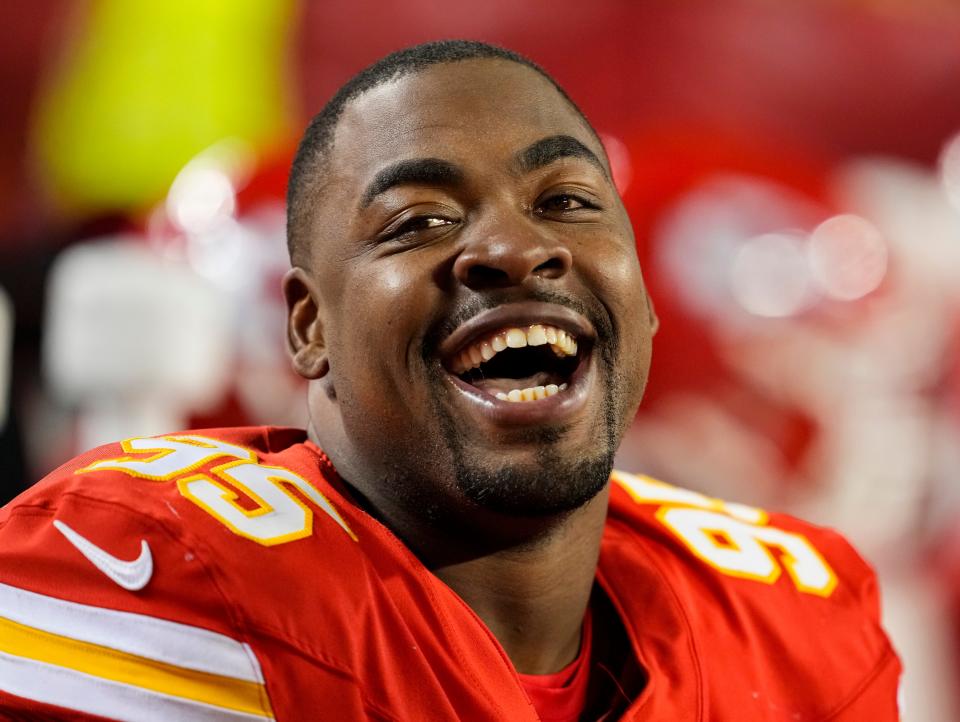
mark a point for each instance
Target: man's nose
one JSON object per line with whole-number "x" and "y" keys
{"x": 503, "y": 257}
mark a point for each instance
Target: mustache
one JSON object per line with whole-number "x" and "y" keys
{"x": 596, "y": 313}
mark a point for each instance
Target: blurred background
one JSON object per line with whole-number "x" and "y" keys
{"x": 792, "y": 169}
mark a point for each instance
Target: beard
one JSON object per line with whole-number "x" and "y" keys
{"x": 553, "y": 483}
{"x": 549, "y": 487}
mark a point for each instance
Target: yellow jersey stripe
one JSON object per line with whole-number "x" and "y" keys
{"x": 62, "y": 687}
{"x": 211, "y": 689}
{"x": 177, "y": 644}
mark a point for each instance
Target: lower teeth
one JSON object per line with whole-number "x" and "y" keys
{"x": 534, "y": 393}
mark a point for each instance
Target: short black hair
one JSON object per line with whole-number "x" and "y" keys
{"x": 317, "y": 140}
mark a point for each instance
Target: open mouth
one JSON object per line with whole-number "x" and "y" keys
{"x": 519, "y": 363}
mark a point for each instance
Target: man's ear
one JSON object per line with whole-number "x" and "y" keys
{"x": 305, "y": 342}
{"x": 652, "y": 313}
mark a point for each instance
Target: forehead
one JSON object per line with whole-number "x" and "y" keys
{"x": 469, "y": 112}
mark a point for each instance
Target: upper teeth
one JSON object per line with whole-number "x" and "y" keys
{"x": 484, "y": 349}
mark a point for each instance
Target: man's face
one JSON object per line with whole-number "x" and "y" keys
{"x": 471, "y": 249}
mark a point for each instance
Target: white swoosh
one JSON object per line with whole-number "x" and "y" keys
{"x": 132, "y": 575}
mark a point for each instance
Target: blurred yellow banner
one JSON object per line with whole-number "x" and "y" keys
{"x": 143, "y": 86}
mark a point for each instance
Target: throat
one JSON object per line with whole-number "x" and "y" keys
{"x": 533, "y": 598}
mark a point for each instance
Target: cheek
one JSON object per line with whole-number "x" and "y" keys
{"x": 613, "y": 271}
{"x": 615, "y": 276}
{"x": 396, "y": 286}
{"x": 378, "y": 325}
{"x": 394, "y": 281}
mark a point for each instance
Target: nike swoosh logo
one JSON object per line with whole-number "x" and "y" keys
{"x": 132, "y": 575}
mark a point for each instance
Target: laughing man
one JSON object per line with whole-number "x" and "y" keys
{"x": 446, "y": 541}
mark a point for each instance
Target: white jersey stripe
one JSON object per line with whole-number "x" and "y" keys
{"x": 74, "y": 690}
{"x": 177, "y": 644}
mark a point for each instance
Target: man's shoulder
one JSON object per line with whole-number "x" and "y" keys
{"x": 158, "y": 458}
{"x": 737, "y": 541}
{"x": 217, "y": 503}
{"x": 109, "y": 569}
{"x": 147, "y": 474}
{"x": 793, "y": 598}
{"x": 177, "y": 552}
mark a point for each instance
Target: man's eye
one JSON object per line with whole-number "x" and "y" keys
{"x": 563, "y": 202}
{"x": 418, "y": 224}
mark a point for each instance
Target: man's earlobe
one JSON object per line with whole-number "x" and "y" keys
{"x": 305, "y": 341}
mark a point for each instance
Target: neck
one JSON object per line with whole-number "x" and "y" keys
{"x": 533, "y": 597}
{"x": 529, "y": 580}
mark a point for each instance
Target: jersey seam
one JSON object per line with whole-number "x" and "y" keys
{"x": 691, "y": 642}
{"x": 324, "y": 660}
{"x": 863, "y": 687}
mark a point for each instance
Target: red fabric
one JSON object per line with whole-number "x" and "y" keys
{"x": 562, "y": 696}
{"x": 359, "y": 629}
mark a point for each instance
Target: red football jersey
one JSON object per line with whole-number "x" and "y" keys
{"x": 227, "y": 575}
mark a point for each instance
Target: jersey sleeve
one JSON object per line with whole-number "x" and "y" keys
{"x": 875, "y": 695}
{"x": 106, "y": 611}
{"x": 789, "y": 604}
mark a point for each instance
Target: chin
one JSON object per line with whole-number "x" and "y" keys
{"x": 547, "y": 487}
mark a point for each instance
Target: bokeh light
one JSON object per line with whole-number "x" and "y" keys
{"x": 848, "y": 257}
{"x": 950, "y": 170}
{"x": 769, "y": 275}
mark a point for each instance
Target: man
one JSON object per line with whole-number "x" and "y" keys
{"x": 445, "y": 541}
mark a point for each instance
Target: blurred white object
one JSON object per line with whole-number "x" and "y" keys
{"x": 847, "y": 257}
{"x": 135, "y": 343}
{"x": 731, "y": 248}
{"x": 917, "y": 619}
{"x": 769, "y": 275}
{"x": 203, "y": 195}
{"x": 950, "y": 170}
{"x": 6, "y": 355}
{"x": 620, "y": 164}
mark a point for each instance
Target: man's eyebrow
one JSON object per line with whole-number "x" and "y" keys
{"x": 547, "y": 150}
{"x": 417, "y": 171}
